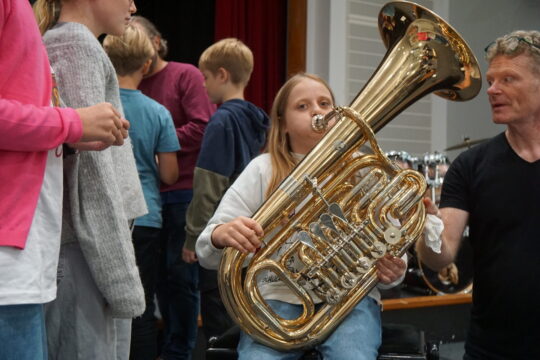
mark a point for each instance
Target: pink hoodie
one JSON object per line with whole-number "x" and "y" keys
{"x": 29, "y": 127}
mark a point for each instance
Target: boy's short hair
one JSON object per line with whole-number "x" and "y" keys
{"x": 129, "y": 52}
{"x": 232, "y": 55}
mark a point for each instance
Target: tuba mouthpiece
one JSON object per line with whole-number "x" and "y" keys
{"x": 319, "y": 123}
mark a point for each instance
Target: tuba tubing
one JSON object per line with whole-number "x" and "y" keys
{"x": 343, "y": 222}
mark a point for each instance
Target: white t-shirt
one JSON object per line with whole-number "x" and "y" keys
{"x": 29, "y": 276}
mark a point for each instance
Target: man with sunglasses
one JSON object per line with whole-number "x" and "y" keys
{"x": 495, "y": 189}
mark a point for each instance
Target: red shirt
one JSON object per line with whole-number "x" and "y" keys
{"x": 179, "y": 87}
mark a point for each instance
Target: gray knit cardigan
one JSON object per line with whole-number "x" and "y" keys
{"x": 102, "y": 191}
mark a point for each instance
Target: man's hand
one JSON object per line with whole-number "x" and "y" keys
{"x": 431, "y": 208}
{"x": 102, "y": 123}
{"x": 241, "y": 233}
{"x": 189, "y": 256}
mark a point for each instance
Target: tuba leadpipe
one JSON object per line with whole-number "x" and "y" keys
{"x": 340, "y": 210}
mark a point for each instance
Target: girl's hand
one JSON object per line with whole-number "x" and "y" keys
{"x": 390, "y": 269}
{"x": 241, "y": 233}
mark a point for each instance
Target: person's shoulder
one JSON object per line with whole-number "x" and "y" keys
{"x": 258, "y": 170}
{"x": 262, "y": 161}
{"x": 236, "y": 106}
{"x": 223, "y": 117}
{"x": 142, "y": 102}
{"x": 71, "y": 34}
{"x": 480, "y": 151}
{"x": 158, "y": 111}
{"x": 184, "y": 69}
{"x": 151, "y": 103}
{"x": 218, "y": 119}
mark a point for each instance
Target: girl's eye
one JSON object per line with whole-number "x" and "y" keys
{"x": 326, "y": 104}
{"x": 302, "y": 106}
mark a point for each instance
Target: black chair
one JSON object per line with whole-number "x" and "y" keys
{"x": 399, "y": 342}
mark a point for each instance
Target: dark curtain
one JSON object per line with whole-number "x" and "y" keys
{"x": 261, "y": 25}
{"x": 191, "y": 26}
{"x": 188, "y": 26}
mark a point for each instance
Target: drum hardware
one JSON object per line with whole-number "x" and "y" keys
{"x": 467, "y": 143}
{"x": 456, "y": 278}
{"x": 434, "y": 168}
{"x": 402, "y": 159}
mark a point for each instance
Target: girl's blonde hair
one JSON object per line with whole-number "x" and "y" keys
{"x": 278, "y": 146}
{"x": 129, "y": 52}
{"x": 47, "y": 13}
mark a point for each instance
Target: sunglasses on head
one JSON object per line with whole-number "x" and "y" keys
{"x": 513, "y": 42}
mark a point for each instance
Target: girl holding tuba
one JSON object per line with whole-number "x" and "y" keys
{"x": 291, "y": 138}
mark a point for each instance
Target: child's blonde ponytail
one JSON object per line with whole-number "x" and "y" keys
{"x": 47, "y": 13}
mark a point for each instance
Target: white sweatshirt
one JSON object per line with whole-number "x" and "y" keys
{"x": 243, "y": 198}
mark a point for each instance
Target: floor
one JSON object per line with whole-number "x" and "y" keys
{"x": 451, "y": 351}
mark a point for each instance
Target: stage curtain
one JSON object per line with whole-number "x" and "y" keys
{"x": 261, "y": 25}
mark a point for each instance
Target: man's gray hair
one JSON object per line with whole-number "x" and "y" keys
{"x": 517, "y": 43}
{"x": 152, "y": 32}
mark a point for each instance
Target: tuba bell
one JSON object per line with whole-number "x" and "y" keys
{"x": 340, "y": 209}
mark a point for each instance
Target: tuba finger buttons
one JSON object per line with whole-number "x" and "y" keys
{"x": 392, "y": 235}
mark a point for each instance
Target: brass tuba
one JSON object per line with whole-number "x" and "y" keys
{"x": 340, "y": 210}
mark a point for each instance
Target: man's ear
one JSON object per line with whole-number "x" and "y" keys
{"x": 156, "y": 41}
{"x": 146, "y": 67}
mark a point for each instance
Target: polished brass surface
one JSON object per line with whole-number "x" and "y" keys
{"x": 340, "y": 210}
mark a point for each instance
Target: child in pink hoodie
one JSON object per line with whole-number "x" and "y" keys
{"x": 32, "y": 134}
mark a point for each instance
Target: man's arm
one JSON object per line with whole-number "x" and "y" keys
{"x": 454, "y": 221}
{"x": 197, "y": 108}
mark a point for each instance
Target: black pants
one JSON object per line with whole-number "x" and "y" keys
{"x": 215, "y": 318}
{"x": 143, "y": 328}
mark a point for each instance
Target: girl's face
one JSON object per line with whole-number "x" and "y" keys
{"x": 114, "y": 16}
{"x": 308, "y": 98}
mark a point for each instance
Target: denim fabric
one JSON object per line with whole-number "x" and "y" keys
{"x": 177, "y": 289}
{"x": 22, "y": 332}
{"x": 358, "y": 337}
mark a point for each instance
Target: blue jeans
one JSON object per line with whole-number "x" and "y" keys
{"x": 358, "y": 337}
{"x": 177, "y": 287}
{"x": 22, "y": 332}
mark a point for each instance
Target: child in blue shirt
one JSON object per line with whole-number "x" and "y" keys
{"x": 155, "y": 145}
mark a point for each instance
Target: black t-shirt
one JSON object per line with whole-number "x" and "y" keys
{"x": 501, "y": 193}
